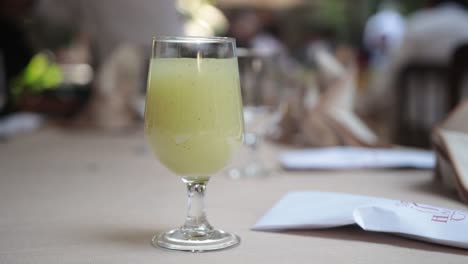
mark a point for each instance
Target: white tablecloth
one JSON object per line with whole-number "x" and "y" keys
{"x": 88, "y": 197}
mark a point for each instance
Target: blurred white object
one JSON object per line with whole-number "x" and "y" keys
{"x": 205, "y": 19}
{"x": 341, "y": 158}
{"x": 317, "y": 210}
{"x": 266, "y": 44}
{"x": 77, "y": 74}
{"x": 20, "y": 123}
{"x": 384, "y": 31}
{"x": 383, "y": 36}
{"x": 138, "y": 105}
{"x": 328, "y": 65}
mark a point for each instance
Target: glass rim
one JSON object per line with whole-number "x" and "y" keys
{"x": 193, "y": 39}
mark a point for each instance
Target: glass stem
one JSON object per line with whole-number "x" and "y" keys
{"x": 196, "y": 223}
{"x": 252, "y": 140}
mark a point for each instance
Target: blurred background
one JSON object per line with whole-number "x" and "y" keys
{"x": 362, "y": 72}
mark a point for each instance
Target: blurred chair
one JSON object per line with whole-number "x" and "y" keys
{"x": 426, "y": 92}
{"x": 459, "y": 73}
{"x": 423, "y": 98}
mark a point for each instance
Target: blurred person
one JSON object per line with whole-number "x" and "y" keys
{"x": 119, "y": 34}
{"x": 432, "y": 35}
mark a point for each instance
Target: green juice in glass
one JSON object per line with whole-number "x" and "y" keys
{"x": 193, "y": 116}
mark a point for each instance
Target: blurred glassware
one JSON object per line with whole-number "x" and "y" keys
{"x": 260, "y": 82}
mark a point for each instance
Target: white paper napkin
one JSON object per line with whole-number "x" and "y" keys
{"x": 316, "y": 210}
{"x": 355, "y": 157}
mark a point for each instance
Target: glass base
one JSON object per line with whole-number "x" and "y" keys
{"x": 252, "y": 170}
{"x": 177, "y": 240}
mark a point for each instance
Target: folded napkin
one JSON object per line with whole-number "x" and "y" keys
{"x": 320, "y": 109}
{"x": 316, "y": 210}
{"x": 450, "y": 140}
{"x": 356, "y": 157}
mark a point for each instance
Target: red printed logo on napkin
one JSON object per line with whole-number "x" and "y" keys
{"x": 441, "y": 215}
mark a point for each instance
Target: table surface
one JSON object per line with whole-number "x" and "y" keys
{"x": 89, "y": 197}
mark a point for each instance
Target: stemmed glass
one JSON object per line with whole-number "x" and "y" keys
{"x": 259, "y": 84}
{"x": 194, "y": 124}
